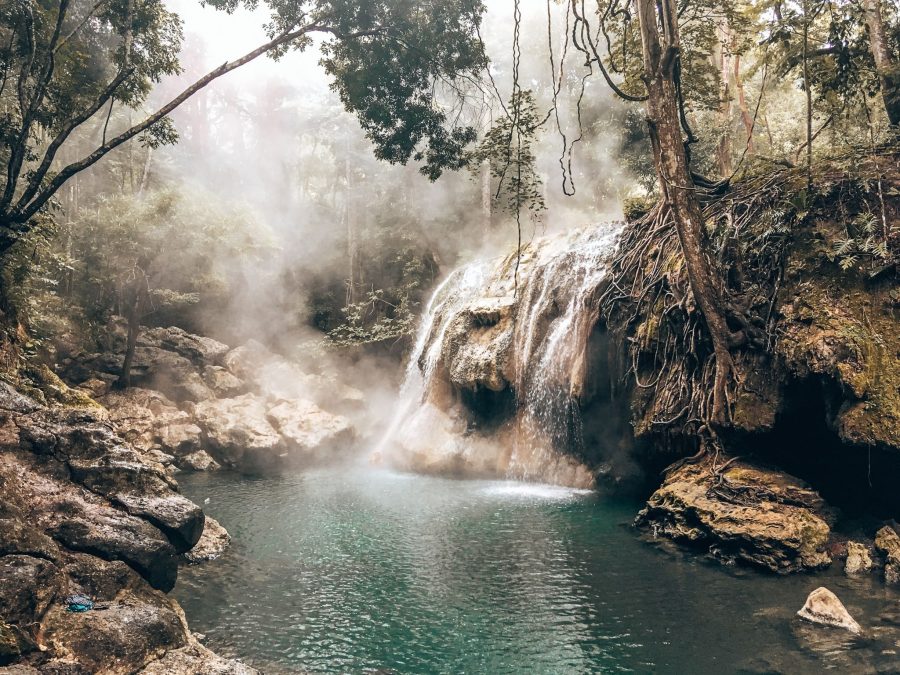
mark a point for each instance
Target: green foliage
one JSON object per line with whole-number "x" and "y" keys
{"x": 865, "y": 243}
{"x": 393, "y": 63}
{"x": 366, "y": 322}
{"x": 509, "y": 148}
{"x": 185, "y": 245}
{"x": 388, "y": 79}
{"x": 397, "y": 270}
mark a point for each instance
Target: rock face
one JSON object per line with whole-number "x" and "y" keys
{"x": 200, "y": 405}
{"x": 823, "y": 607}
{"x": 236, "y": 430}
{"x": 745, "y": 513}
{"x": 154, "y": 424}
{"x": 82, "y": 512}
{"x": 887, "y": 542}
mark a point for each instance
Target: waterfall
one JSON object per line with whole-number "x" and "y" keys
{"x": 498, "y": 370}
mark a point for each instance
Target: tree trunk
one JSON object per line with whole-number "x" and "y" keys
{"x": 742, "y": 104}
{"x": 136, "y": 297}
{"x": 134, "y": 329}
{"x": 661, "y": 54}
{"x": 723, "y": 151}
{"x": 145, "y": 174}
{"x": 887, "y": 67}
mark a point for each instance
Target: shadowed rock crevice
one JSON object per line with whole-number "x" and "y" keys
{"x": 81, "y": 512}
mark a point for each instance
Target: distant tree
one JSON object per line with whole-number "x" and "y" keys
{"x": 63, "y": 62}
{"x": 138, "y": 258}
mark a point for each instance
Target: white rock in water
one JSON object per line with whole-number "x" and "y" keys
{"x": 823, "y": 607}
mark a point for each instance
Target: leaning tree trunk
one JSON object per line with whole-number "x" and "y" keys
{"x": 661, "y": 63}
{"x": 885, "y": 64}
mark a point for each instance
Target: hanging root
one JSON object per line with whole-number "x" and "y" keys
{"x": 649, "y": 304}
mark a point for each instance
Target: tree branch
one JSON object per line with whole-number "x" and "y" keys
{"x": 17, "y": 156}
{"x": 68, "y": 36}
{"x": 38, "y": 175}
{"x": 24, "y": 211}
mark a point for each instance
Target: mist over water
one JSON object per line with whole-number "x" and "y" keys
{"x": 354, "y": 569}
{"x": 272, "y": 139}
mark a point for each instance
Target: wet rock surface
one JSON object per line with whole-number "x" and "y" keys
{"x": 859, "y": 561}
{"x": 213, "y": 542}
{"x": 496, "y": 379}
{"x": 887, "y": 542}
{"x": 746, "y": 513}
{"x": 823, "y": 607}
{"x": 84, "y": 513}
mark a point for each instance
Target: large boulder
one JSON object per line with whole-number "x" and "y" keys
{"x": 310, "y": 434}
{"x": 176, "y": 376}
{"x": 239, "y": 434}
{"x": 222, "y": 382}
{"x": 200, "y": 350}
{"x": 743, "y": 513}
{"x": 244, "y": 362}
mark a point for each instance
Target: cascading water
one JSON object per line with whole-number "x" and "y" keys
{"x": 498, "y": 369}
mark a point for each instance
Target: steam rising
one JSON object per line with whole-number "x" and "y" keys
{"x": 273, "y": 141}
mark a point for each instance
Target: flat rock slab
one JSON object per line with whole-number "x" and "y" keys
{"x": 745, "y": 513}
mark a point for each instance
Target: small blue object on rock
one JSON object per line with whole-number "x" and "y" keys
{"x": 79, "y": 603}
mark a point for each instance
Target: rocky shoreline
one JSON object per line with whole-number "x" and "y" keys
{"x": 89, "y": 504}
{"x": 84, "y": 514}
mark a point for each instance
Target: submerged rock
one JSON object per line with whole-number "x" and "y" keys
{"x": 859, "y": 561}
{"x": 823, "y": 607}
{"x": 887, "y": 542}
{"x": 746, "y": 513}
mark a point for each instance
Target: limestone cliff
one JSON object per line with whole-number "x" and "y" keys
{"x": 598, "y": 352}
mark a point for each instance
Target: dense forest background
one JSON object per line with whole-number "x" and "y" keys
{"x": 261, "y": 210}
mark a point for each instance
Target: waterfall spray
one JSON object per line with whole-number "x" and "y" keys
{"x": 484, "y": 336}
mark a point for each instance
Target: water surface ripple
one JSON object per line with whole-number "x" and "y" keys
{"x": 356, "y": 570}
